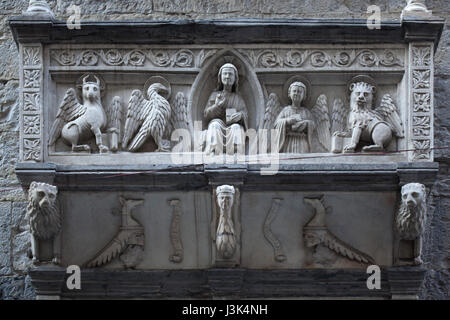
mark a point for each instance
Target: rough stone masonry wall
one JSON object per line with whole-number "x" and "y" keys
{"x": 14, "y": 243}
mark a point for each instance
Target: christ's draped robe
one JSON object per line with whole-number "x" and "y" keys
{"x": 219, "y": 130}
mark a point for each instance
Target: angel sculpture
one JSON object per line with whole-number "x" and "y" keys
{"x": 295, "y": 125}
{"x": 77, "y": 122}
{"x": 153, "y": 117}
{"x": 376, "y": 127}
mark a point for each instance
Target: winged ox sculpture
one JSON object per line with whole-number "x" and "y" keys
{"x": 77, "y": 122}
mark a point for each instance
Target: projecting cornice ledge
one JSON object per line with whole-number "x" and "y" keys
{"x": 44, "y": 29}
{"x": 301, "y": 177}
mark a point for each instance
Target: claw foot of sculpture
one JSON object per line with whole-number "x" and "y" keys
{"x": 418, "y": 261}
{"x": 103, "y": 149}
{"x": 373, "y": 148}
{"x": 81, "y": 148}
{"x": 350, "y": 148}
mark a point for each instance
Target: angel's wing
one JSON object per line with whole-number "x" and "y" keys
{"x": 340, "y": 247}
{"x": 179, "y": 118}
{"x": 273, "y": 109}
{"x": 138, "y": 109}
{"x": 114, "y": 114}
{"x": 322, "y": 118}
{"x": 111, "y": 250}
{"x": 69, "y": 110}
{"x": 338, "y": 117}
{"x": 388, "y": 111}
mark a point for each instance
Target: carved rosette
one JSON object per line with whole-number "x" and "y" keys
{"x": 31, "y": 103}
{"x": 421, "y": 101}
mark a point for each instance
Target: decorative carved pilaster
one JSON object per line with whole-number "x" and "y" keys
{"x": 31, "y": 111}
{"x": 421, "y": 76}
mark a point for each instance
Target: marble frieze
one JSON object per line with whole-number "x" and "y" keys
{"x": 237, "y": 146}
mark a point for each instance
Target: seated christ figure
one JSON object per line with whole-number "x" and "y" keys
{"x": 226, "y": 114}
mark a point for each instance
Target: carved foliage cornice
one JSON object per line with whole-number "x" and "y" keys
{"x": 264, "y": 58}
{"x": 162, "y": 58}
{"x": 329, "y": 58}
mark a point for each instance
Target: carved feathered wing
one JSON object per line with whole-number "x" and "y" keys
{"x": 388, "y": 111}
{"x": 69, "y": 110}
{"x": 179, "y": 118}
{"x": 343, "y": 249}
{"x": 114, "y": 113}
{"x": 338, "y": 117}
{"x": 273, "y": 109}
{"x": 138, "y": 109}
{"x": 115, "y": 247}
{"x": 320, "y": 113}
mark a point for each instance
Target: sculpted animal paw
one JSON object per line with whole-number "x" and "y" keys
{"x": 103, "y": 149}
{"x": 418, "y": 261}
{"x": 81, "y": 148}
{"x": 342, "y": 134}
{"x": 349, "y": 148}
{"x": 373, "y": 148}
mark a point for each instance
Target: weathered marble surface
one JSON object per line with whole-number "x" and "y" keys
{"x": 437, "y": 237}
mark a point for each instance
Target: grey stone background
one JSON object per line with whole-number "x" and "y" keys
{"x": 14, "y": 235}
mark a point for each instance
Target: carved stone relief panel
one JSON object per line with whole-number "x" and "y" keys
{"x": 264, "y": 76}
{"x": 138, "y": 230}
{"x": 318, "y": 230}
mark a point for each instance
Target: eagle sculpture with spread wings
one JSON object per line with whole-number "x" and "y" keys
{"x": 77, "y": 122}
{"x": 148, "y": 118}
